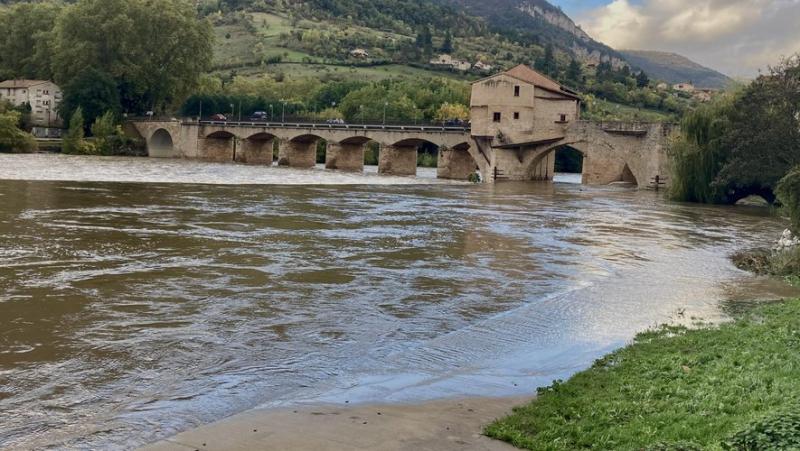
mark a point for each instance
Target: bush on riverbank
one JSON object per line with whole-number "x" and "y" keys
{"x": 722, "y": 387}
{"x": 785, "y": 263}
{"x": 788, "y": 192}
{"x": 12, "y": 139}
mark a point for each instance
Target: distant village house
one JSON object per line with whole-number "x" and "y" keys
{"x": 447, "y": 60}
{"x": 685, "y": 87}
{"x": 359, "y": 54}
{"x": 480, "y": 65}
{"x": 43, "y": 96}
{"x": 705, "y": 94}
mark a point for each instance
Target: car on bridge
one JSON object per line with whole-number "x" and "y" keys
{"x": 259, "y": 116}
{"x": 453, "y": 122}
{"x": 219, "y": 117}
{"x": 335, "y": 120}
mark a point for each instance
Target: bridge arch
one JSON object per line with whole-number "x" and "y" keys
{"x": 221, "y": 134}
{"x": 603, "y": 163}
{"x": 161, "y": 144}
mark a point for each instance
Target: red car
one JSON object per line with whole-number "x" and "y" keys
{"x": 219, "y": 117}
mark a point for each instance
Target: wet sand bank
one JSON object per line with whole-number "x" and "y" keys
{"x": 440, "y": 425}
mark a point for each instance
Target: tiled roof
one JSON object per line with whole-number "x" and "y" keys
{"x": 21, "y": 83}
{"x": 525, "y": 73}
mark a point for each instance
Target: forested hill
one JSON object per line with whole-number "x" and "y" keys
{"x": 545, "y": 22}
{"x": 528, "y": 22}
{"x": 674, "y": 68}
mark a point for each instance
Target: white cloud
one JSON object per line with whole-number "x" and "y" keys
{"x": 734, "y": 36}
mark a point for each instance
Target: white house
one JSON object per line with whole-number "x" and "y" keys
{"x": 447, "y": 60}
{"x": 480, "y": 65}
{"x": 43, "y": 96}
{"x": 685, "y": 87}
{"x": 359, "y": 53}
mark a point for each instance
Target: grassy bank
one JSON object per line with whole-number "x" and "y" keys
{"x": 734, "y": 386}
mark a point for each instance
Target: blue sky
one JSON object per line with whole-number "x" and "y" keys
{"x": 736, "y": 37}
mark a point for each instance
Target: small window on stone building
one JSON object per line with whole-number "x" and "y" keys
{"x": 562, "y": 118}
{"x": 516, "y": 91}
{"x": 497, "y": 117}
{"x": 516, "y": 115}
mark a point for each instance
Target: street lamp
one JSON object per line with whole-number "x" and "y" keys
{"x": 385, "y": 104}
{"x": 270, "y": 113}
{"x": 231, "y": 111}
{"x": 415, "y": 114}
{"x": 361, "y": 110}
{"x": 283, "y": 111}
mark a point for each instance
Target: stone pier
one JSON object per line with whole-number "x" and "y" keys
{"x": 398, "y": 160}
{"x": 255, "y": 151}
{"x": 216, "y": 148}
{"x": 455, "y": 164}
{"x": 344, "y": 157}
{"x": 298, "y": 154}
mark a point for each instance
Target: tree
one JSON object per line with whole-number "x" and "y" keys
{"x": 788, "y": 192}
{"x": 452, "y": 111}
{"x": 447, "y": 46}
{"x": 155, "y": 50}
{"x": 741, "y": 145}
{"x": 574, "y": 73}
{"x": 24, "y": 31}
{"x": 12, "y": 139}
{"x": 94, "y": 91}
{"x": 764, "y": 136}
{"x": 74, "y": 143}
{"x": 547, "y": 64}
{"x": 102, "y": 131}
{"x": 642, "y": 80}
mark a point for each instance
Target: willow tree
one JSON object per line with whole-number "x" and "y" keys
{"x": 698, "y": 153}
{"x": 155, "y": 50}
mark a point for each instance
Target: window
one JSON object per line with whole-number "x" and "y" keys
{"x": 516, "y": 114}
{"x": 516, "y": 91}
{"x": 497, "y": 117}
{"x": 562, "y": 119}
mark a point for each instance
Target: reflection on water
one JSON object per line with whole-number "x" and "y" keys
{"x": 130, "y": 311}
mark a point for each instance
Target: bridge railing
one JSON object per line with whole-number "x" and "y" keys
{"x": 308, "y": 122}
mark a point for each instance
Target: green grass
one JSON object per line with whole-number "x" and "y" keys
{"x": 673, "y": 389}
{"x": 234, "y": 45}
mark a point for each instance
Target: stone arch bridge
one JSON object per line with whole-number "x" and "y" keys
{"x": 613, "y": 151}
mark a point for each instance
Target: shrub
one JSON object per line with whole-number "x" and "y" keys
{"x": 788, "y": 192}
{"x": 776, "y": 431}
{"x": 674, "y": 446}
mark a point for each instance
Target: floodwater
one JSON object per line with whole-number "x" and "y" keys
{"x": 131, "y": 311}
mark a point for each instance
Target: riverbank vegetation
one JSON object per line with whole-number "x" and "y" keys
{"x": 12, "y": 138}
{"x": 741, "y": 144}
{"x": 732, "y": 386}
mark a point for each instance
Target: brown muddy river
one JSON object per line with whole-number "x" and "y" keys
{"x": 132, "y": 311}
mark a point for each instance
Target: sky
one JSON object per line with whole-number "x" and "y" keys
{"x": 735, "y": 37}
